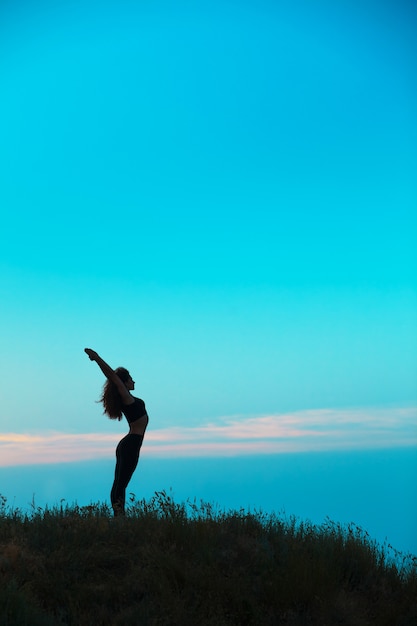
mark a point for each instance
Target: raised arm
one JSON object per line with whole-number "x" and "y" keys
{"x": 110, "y": 374}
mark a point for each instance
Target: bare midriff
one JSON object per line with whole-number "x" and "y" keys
{"x": 138, "y": 427}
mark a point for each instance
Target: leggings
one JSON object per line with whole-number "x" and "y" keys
{"x": 127, "y": 457}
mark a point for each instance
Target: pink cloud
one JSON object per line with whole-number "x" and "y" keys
{"x": 29, "y": 449}
{"x": 314, "y": 430}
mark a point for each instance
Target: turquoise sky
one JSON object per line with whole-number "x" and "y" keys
{"x": 220, "y": 196}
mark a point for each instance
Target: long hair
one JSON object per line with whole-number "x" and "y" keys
{"x": 110, "y": 397}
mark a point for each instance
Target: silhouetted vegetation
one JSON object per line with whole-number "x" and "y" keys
{"x": 187, "y": 564}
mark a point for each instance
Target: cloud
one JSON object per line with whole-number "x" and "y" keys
{"x": 303, "y": 431}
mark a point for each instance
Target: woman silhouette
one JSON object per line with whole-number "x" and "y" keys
{"x": 118, "y": 400}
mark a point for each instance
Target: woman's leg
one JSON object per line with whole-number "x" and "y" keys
{"x": 127, "y": 456}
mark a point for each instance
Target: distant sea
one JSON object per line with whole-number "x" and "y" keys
{"x": 374, "y": 489}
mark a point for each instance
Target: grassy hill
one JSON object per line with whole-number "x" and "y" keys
{"x": 182, "y": 564}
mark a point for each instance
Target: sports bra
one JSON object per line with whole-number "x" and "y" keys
{"x": 134, "y": 411}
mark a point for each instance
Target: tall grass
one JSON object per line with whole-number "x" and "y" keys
{"x": 184, "y": 564}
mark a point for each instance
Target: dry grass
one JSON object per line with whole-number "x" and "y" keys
{"x": 182, "y": 564}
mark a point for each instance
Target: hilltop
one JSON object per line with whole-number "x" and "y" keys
{"x": 187, "y": 565}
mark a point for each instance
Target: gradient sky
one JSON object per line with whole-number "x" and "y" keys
{"x": 220, "y": 196}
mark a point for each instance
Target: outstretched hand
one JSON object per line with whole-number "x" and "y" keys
{"x": 91, "y": 353}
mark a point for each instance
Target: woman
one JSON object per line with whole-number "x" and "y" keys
{"x": 118, "y": 400}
